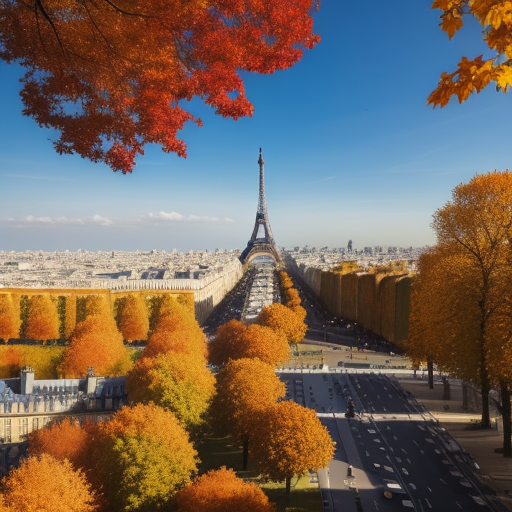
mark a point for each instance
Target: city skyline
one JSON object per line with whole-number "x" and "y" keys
{"x": 351, "y": 152}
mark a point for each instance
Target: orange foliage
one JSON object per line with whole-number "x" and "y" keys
{"x": 43, "y": 319}
{"x": 10, "y": 321}
{"x": 279, "y": 317}
{"x": 234, "y": 340}
{"x": 12, "y": 361}
{"x": 227, "y": 343}
{"x": 44, "y": 484}
{"x": 64, "y": 440}
{"x": 222, "y": 491}
{"x": 473, "y": 75}
{"x": 292, "y": 297}
{"x": 96, "y": 342}
{"x": 245, "y": 389}
{"x": 112, "y": 77}
{"x": 290, "y": 441}
{"x": 133, "y": 318}
{"x": 177, "y": 330}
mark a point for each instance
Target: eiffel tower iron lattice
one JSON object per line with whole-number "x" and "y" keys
{"x": 264, "y": 245}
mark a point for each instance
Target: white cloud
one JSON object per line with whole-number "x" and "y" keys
{"x": 100, "y": 220}
{"x": 30, "y": 220}
{"x": 178, "y": 217}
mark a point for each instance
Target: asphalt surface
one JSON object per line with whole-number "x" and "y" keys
{"x": 389, "y": 441}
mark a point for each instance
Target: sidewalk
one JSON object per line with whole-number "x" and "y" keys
{"x": 496, "y": 470}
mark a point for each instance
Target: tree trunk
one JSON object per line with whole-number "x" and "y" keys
{"x": 245, "y": 453}
{"x": 486, "y": 387}
{"x": 446, "y": 389}
{"x": 507, "y": 419}
{"x": 430, "y": 373}
{"x": 465, "y": 405}
{"x": 288, "y": 486}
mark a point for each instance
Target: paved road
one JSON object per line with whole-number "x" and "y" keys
{"x": 389, "y": 441}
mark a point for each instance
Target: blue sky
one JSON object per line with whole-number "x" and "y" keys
{"x": 351, "y": 151}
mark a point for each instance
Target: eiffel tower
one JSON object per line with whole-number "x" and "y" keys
{"x": 265, "y": 244}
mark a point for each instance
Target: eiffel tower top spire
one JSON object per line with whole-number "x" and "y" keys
{"x": 261, "y": 243}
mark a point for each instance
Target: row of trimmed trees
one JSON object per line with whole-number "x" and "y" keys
{"x": 54, "y": 315}
{"x": 461, "y": 299}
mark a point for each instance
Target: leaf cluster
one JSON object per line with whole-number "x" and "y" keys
{"x": 473, "y": 75}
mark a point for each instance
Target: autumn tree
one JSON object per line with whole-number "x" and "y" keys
{"x": 45, "y": 484}
{"x": 11, "y": 361}
{"x": 133, "y": 318}
{"x": 110, "y": 91}
{"x": 227, "y": 342}
{"x": 234, "y": 340}
{"x": 142, "y": 456}
{"x": 279, "y": 317}
{"x": 289, "y": 441}
{"x": 10, "y": 321}
{"x": 97, "y": 305}
{"x": 67, "y": 439}
{"x": 474, "y": 228}
{"x": 175, "y": 381}
{"x": 177, "y": 331}
{"x": 473, "y": 74}
{"x": 245, "y": 388}
{"x": 43, "y": 318}
{"x": 440, "y": 291}
{"x": 222, "y": 491}
{"x": 291, "y": 297}
{"x": 96, "y": 342}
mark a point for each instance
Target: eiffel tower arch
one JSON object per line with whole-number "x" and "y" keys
{"x": 262, "y": 241}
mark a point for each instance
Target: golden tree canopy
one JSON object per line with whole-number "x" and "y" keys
{"x": 473, "y": 74}
{"x": 133, "y": 318}
{"x": 291, "y": 440}
{"x": 114, "y": 76}
{"x": 245, "y": 388}
{"x": 176, "y": 330}
{"x": 10, "y": 321}
{"x": 96, "y": 342}
{"x": 178, "y": 382}
{"x": 142, "y": 457}
{"x": 64, "y": 440}
{"x": 234, "y": 340}
{"x": 279, "y": 317}
{"x": 45, "y": 484}
{"x": 43, "y": 318}
{"x": 222, "y": 491}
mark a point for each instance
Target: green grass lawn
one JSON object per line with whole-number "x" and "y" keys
{"x": 217, "y": 452}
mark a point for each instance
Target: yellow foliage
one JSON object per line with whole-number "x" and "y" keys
{"x": 472, "y": 75}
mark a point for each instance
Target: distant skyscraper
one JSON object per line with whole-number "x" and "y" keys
{"x": 349, "y": 246}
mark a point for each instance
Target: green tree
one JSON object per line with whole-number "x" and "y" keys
{"x": 178, "y": 382}
{"x": 141, "y": 457}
